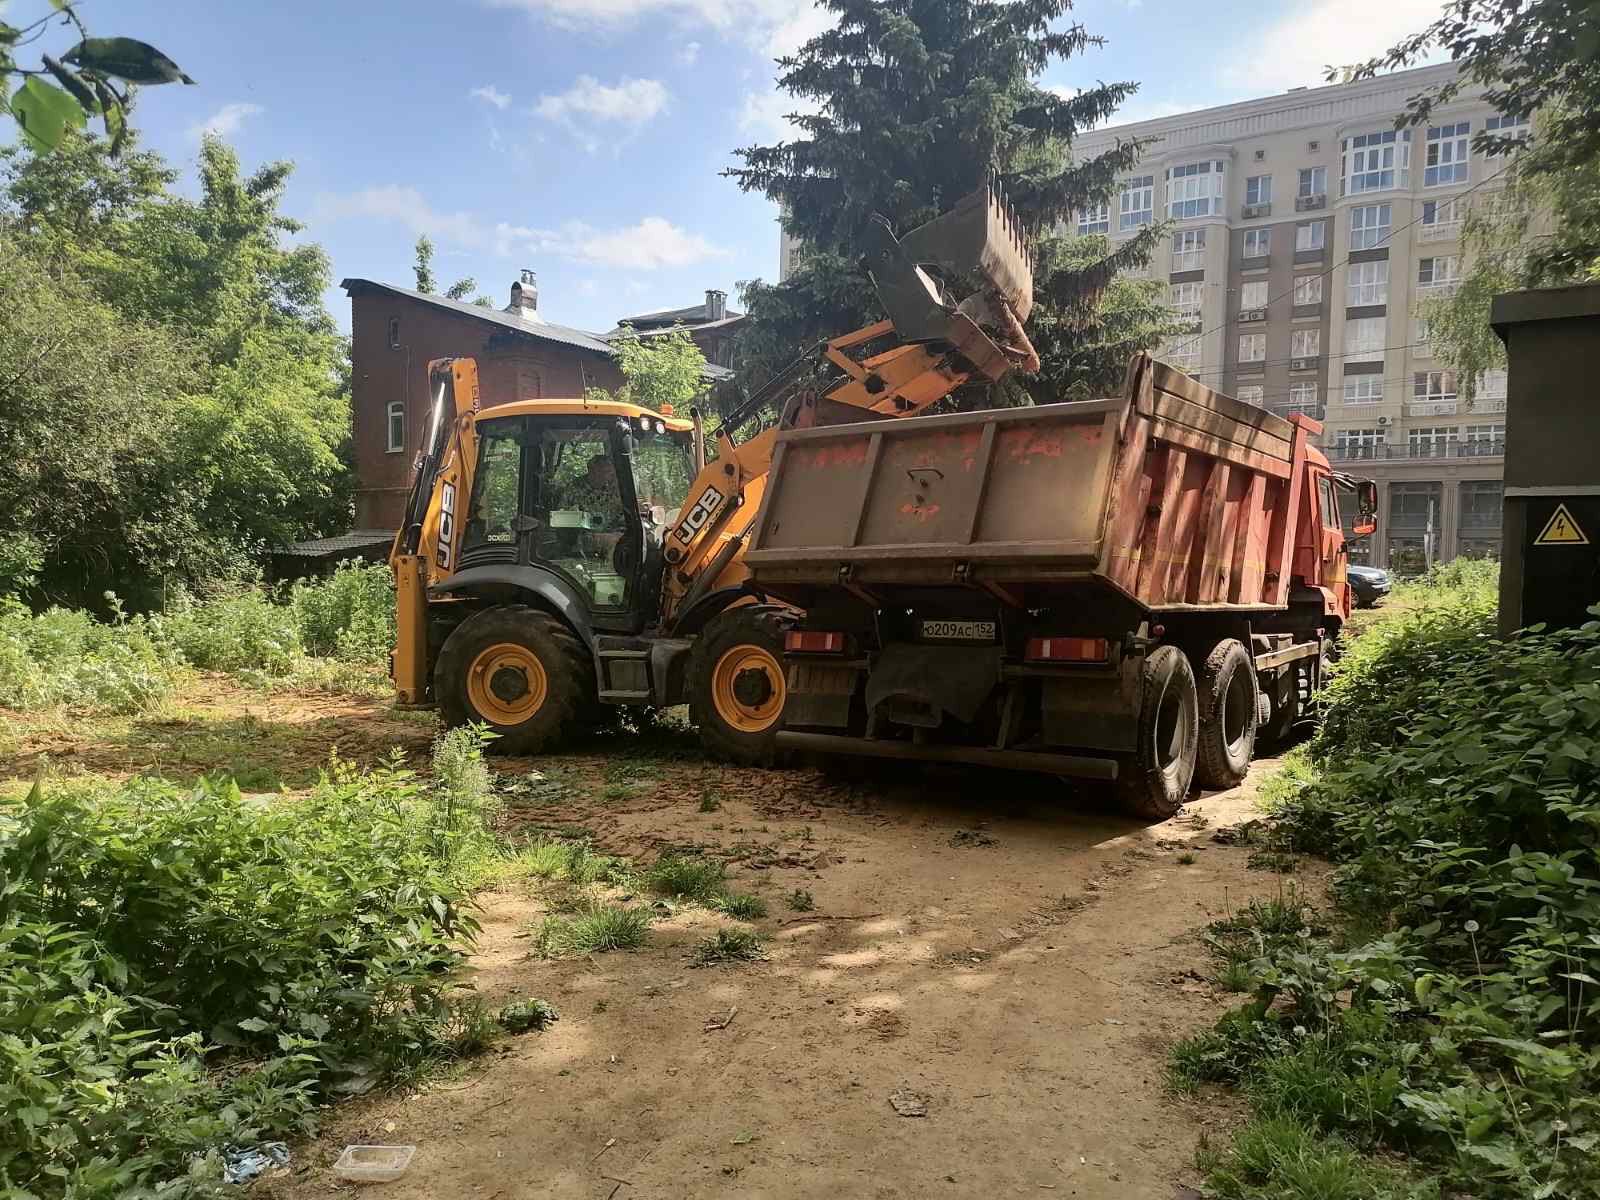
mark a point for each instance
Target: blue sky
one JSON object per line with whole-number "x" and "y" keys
{"x": 583, "y": 138}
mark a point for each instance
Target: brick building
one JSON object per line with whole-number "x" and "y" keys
{"x": 713, "y": 326}
{"x": 395, "y": 332}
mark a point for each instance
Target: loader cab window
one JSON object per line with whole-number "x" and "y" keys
{"x": 663, "y": 469}
{"x": 497, "y": 486}
{"x": 581, "y": 512}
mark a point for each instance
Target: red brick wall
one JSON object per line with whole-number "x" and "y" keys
{"x": 514, "y": 369}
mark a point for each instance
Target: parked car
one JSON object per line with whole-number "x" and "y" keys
{"x": 1370, "y": 584}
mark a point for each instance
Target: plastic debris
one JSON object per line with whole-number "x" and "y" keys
{"x": 373, "y": 1164}
{"x": 241, "y": 1164}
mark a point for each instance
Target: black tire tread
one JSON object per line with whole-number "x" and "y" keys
{"x": 1212, "y": 768}
{"x": 1141, "y": 786}
{"x": 569, "y": 675}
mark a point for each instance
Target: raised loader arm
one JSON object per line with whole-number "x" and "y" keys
{"x": 941, "y": 343}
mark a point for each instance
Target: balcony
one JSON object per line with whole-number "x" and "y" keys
{"x": 1247, "y": 315}
{"x": 1305, "y": 363}
{"x": 1488, "y": 404}
{"x": 1252, "y": 211}
{"x": 1419, "y": 450}
{"x": 1311, "y": 203}
{"x": 1315, "y": 411}
{"x": 1441, "y": 290}
{"x": 1188, "y": 260}
{"x": 1440, "y": 231}
{"x": 1483, "y": 448}
{"x": 1342, "y": 452}
{"x": 1431, "y": 408}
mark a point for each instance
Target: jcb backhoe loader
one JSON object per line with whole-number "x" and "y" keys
{"x": 560, "y": 556}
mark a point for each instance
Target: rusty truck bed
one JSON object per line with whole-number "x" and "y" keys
{"x": 1172, "y": 494}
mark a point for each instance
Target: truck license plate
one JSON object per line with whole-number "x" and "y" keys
{"x": 959, "y": 631}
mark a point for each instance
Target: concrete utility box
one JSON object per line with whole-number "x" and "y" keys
{"x": 1550, "y": 535}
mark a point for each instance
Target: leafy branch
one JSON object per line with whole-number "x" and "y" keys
{"x": 86, "y": 79}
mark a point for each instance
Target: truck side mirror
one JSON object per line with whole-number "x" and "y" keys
{"x": 1366, "y": 507}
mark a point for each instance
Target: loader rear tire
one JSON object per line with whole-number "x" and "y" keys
{"x": 1154, "y": 780}
{"x": 518, "y": 670}
{"x": 737, "y": 684}
{"x": 1228, "y": 715}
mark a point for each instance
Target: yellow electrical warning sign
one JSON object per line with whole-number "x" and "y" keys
{"x": 1561, "y": 530}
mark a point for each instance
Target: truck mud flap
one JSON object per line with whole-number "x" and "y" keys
{"x": 1079, "y": 766}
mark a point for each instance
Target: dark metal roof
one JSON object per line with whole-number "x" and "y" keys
{"x": 712, "y": 373}
{"x": 577, "y": 339}
{"x": 694, "y": 315}
{"x": 1544, "y": 304}
{"x": 356, "y": 539}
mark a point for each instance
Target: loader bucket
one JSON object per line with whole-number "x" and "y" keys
{"x": 919, "y": 278}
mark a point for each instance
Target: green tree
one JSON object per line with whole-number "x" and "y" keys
{"x": 662, "y": 369}
{"x": 422, "y": 268}
{"x": 1539, "y": 57}
{"x": 917, "y": 102}
{"x": 93, "y": 77}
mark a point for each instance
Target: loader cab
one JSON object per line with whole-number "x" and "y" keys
{"x": 586, "y": 496}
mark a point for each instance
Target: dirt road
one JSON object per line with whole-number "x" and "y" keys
{"x": 1013, "y": 955}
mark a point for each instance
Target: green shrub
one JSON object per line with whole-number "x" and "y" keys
{"x": 66, "y": 658}
{"x": 596, "y": 927}
{"x": 349, "y": 616}
{"x": 730, "y": 945}
{"x": 184, "y": 970}
{"x": 686, "y": 877}
{"x": 240, "y": 631}
{"x": 741, "y": 906}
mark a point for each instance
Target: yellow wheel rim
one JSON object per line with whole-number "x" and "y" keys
{"x": 747, "y": 689}
{"x": 506, "y": 684}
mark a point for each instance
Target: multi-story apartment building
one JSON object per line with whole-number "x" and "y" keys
{"x": 1305, "y": 230}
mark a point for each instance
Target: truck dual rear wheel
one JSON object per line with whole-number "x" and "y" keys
{"x": 1228, "y": 715}
{"x": 737, "y": 686}
{"x": 1154, "y": 780}
{"x": 519, "y": 671}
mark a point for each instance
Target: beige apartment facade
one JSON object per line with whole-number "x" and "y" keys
{"x": 1305, "y": 230}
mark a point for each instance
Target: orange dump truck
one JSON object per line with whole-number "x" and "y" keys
{"x": 1122, "y": 589}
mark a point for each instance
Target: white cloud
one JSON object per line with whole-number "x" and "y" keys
{"x": 766, "y": 114}
{"x": 1310, "y": 35}
{"x": 490, "y": 94}
{"x": 647, "y": 245}
{"x": 689, "y": 53}
{"x": 225, "y": 121}
{"x": 774, "y": 26}
{"x": 632, "y": 101}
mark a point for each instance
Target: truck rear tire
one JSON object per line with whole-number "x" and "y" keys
{"x": 1154, "y": 780}
{"x": 517, "y": 670}
{"x": 1228, "y": 715}
{"x": 737, "y": 685}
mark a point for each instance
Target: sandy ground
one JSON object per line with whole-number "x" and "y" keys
{"x": 1010, "y": 951}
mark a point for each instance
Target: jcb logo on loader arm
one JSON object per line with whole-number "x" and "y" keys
{"x": 695, "y": 520}
{"x": 447, "y": 525}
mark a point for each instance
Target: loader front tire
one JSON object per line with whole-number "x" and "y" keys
{"x": 1228, "y": 715}
{"x": 518, "y": 670}
{"x": 1154, "y": 780}
{"x": 737, "y": 685}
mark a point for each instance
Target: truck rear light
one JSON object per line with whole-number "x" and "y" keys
{"x": 809, "y": 641}
{"x": 1067, "y": 649}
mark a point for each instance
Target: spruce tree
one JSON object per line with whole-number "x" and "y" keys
{"x": 917, "y": 102}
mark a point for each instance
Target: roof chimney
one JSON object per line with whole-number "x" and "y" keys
{"x": 716, "y": 304}
{"x": 525, "y": 297}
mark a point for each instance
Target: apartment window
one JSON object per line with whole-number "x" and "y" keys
{"x": 1358, "y": 443}
{"x": 1366, "y": 283}
{"x": 1374, "y": 162}
{"x": 1183, "y": 353}
{"x": 1439, "y": 272}
{"x": 1258, "y": 189}
{"x": 1308, "y": 289}
{"x": 1363, "y": 339}
{"x": 1194, "y": 190}
{"x": 1502, "y": 128}
{"x": 1433, "y": 386}
{"x": 1481, "y": 441}
{"x": 1137, "y": 204}
{"x": 1447, "y": 154}
{"x": 1252, "y": 347}
{"x": 1481, "y": 502}
{"x": 1492, "y": 384}
{"x": 1363, "y": 389}
{"x": 1185, "y": 299}
{"x": 1422, "y": 343}
{"x": 1257, "y": 243}
{"x": 396, "y": 437}
{"x": 1313, "y": 181}
{"x": 1431, "y": 441}
{"x": 1253, "y": 295}
{"x": 1441, "y": 212}
{"x": 1189, "y": 250}
{"x": 1369, "y": 226}
{"x": 1305, "y": 343}
{"x": 1310, "y": 235}
{"x": 1303, "y": 397}
{"x": 1095, "y": 219}
{"x": 1252, "y": 393}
